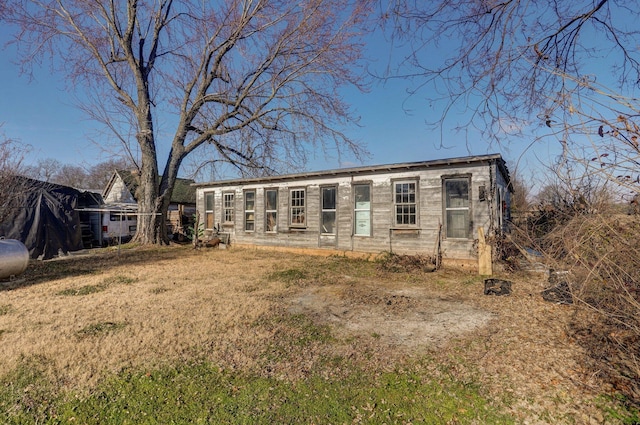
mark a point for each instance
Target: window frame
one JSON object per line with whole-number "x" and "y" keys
{"x": 226, "y": 208}
{"x": 357, "y": 210}
{"x": 301, "y": 209}
{"x": 268, "y": 211}
{"x": 333, "y": 210}
{"x": 123, "y": 216}
{"x": 467, "y": 208}
{"x": 209, "y": 211}
{"x": 416, "y": 203}
{"x": 248, "y": 211}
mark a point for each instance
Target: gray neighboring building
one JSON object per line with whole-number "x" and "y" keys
{"x": 408, "y": 208}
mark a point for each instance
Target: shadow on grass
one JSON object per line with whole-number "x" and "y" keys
{"x": 93, "y": 261}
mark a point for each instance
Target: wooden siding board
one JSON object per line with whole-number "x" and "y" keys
{"x": 119, "y": 193}
{"x": 344, "y": 216}
{"x": 423, "y": 240}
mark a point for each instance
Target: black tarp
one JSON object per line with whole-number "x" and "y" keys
{"x": 45, "y": 219}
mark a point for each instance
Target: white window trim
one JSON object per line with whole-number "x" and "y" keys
{"x": 357, "y": 210}
{"x": 209, "y": 211}
{"x": 249, "y": 211}
{"x": 323, "y": 210}
{"x": 267, "y": 211}
{"x": 416, "y": 203}
{"x": 303, "y": 208}
{"x": 226, "y": 208}
{"x": 467, "y": 208}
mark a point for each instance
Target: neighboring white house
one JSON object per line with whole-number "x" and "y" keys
{"x": 120, "y": 195}
{"x": 430, "y": 207}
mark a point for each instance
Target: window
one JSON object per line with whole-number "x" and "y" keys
{"x": 271, "y": 210}
{"x": 328, "y": 222}
{"x": 296, "y": 209}
{"x": 208, "y": 210}
{"x": 227, "y": 207}
{"x": 121, "y": 216}
{"x": 457, "y": 220}
{"x": 249, "y": 210}
{"x": 362, "y": 209}
{"x": 405, "y": 203}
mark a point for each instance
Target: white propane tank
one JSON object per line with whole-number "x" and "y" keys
{"x": 14, "y": 258}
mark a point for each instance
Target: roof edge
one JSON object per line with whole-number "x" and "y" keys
{"x": 366, "y": 169}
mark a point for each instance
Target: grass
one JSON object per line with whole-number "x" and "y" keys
{"x": 158, "y": 290}
{"x": 200, "y": 392}
{"x": 119, "y": 280}
{"x": 230, "y": 343}
{"x": 26, "y": 395}
{"x": 82, "y": 290}
{"x": 306, "y": 331}
{"x": 329, "y": 270}
{"x": 620, "y": 410}
{"x": 95, "y": 329}
{"x": 92, "y": 289}
{"x": 330, "y": 386}
{"x": 289, "y": 276}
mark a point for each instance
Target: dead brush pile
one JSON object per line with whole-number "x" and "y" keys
{"x": 603, "y": 255}
{"x": 396, "y": 263}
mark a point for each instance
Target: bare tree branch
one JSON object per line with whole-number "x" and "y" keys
{"x": 258, "y": 80}
{"x": 553, "y": 68}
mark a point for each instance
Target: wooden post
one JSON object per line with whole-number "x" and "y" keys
{"x": 196, "y": 226}
{"x": 485, "y": 264}
{"x": 438, "y": 253}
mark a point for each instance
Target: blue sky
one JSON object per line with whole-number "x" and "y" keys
{"x": 40, "y": 113}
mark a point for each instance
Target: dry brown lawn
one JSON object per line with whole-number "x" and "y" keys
{"x": 93, "y": 315}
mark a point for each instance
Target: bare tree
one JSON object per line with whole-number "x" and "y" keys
{"x": 556, "y": 69}
{"x": 53, "y": 171}
{"x": 71, "y": 175}
{"x": 45, "y": 170}
{"x": 11, "y": 157}
{"x": 520, "y": 201}
{"x": 257, "y": 81}
{"x": 93, "y": 177}
{"x": 99, "y": 174}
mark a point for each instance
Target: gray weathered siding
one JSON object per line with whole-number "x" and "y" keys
{"x": 384, "y": 236}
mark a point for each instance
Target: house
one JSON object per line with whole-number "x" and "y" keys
{"x": 429, "y": 207}
{"x": 121, "y": 192}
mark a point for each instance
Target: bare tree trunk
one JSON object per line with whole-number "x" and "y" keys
{"x": 148, "y": 190}
{"x": 166, "y": 187}
{"x": 148, "y": 208}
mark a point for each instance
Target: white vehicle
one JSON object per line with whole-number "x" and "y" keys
{"x": 118, "y": 226}
{"x": 108, "y": 225}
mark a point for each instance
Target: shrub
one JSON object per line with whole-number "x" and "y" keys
{"x": 602, "y": 253}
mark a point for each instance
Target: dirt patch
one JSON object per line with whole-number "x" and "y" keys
{"x": 405, "y": 317}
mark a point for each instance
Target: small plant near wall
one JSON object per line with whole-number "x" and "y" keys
{"x": 197, "y": 229}
{"x": 396, "y": 263}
